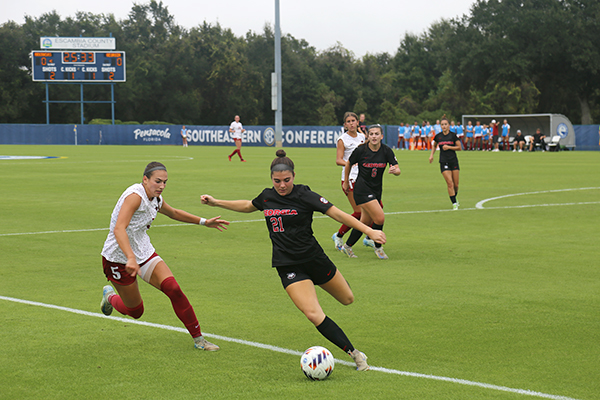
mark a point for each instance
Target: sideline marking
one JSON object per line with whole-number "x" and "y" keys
{"x": 28, "y": 157}
{"x": 482, "y": 202}
{"x": 294, "y": 352}
{"x": 477, "y": 207}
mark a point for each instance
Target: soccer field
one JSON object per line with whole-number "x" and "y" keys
{"x": 498, "y": 300}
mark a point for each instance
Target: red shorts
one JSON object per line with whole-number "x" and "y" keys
{"x": 237, "y": 140}
{"x": 115, "y": 272}
{"x": 351, "y": 189}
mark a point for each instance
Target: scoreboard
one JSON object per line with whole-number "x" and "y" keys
{"x": 78, "y": 66}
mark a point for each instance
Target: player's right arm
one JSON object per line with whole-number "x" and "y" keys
{"x": 130, "y": 204}
{"x": 339, "y": 157}
{"x": 244, "y": 206}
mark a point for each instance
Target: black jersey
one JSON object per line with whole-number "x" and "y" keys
{"x": 289, "y": 220}
{"x": 446, "y": 156}
{"x": 371, "y": 166}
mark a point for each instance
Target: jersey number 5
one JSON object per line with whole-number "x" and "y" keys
{"x": 277, "y": 224}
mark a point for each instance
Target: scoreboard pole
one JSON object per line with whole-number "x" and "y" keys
{"x": 81, "y": 100}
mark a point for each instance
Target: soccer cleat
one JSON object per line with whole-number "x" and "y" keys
{"x": 243, "y": 160}
{"x": 381, "y": 254}
{"x": 369, "y": 242}
{"x": 339, "y": 242}
{"x": 347, "y": 250}
{"x": 203, "y": 344}
{"x": 105, "y": 305}
{"x": 360, "y": 359}
{"x": 455, "y": 206}
{"x": 229, "y": 158}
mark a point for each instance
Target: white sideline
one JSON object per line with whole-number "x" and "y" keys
{"x": 478, "y": 206}
{"x": 294, "y": 352}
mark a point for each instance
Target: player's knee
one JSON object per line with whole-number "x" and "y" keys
{"x": 347, "y": 300}
{"x": 171, "y": 288}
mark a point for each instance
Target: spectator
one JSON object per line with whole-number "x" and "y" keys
{"x": 538, "y": 138}
{"x": 519, "y": 141}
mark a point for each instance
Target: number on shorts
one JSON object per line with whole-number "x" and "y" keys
{"x": 115, "y": 273}
{"x": 277, "y": 224}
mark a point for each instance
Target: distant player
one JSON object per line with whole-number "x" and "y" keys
{"x": 372, "y": 158}
{"x": 449, "y": 144}
{"x": 236, "y": 129}
{"x": 184, "y": 136}
{"x": 346, "y": 144}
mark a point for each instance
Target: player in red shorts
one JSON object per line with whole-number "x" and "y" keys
{"x": 127, "y": 252}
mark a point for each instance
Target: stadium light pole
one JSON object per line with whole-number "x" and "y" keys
{"x": 277, "y": 92}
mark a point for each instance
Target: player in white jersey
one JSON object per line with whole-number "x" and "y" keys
{"x": 236, "y": 129}
{"x": 346, "y": 144}
{"x": 128, "y": 252}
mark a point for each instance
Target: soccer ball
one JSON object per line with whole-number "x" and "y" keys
{"x": 317, "y": 363}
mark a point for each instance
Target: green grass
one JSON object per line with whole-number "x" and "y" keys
{"x": 506, "y": 295}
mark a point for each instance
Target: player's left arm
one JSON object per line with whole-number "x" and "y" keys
{"x": 184, "y": 216}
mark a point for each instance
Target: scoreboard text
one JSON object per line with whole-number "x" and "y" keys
{"x": 78, "y": 66}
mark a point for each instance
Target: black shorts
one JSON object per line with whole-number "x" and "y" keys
{"x": 496, "y": 138}
{"x": 449, "y": 166}
{"x": 360, "y": 198}
{"x": 319, "y": 270}
{"x": 518, "y": 140}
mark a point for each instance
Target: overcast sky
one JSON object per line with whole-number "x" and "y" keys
{"x": 371, "y": 26}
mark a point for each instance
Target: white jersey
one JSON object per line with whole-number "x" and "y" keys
{"x": 351, "y": 143}
{"x": 237, "y": 128}
{"x": 136, "y": 230}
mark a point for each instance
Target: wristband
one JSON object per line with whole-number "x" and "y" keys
{"x": 202, "y": 221}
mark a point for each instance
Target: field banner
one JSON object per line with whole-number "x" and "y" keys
{"x": 293, "y": 136}
{"x": 202, "y": 135}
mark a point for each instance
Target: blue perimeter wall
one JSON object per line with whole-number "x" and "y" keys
{"x": 587, "y": 136}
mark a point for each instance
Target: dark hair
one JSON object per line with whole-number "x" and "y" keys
{"x": 282, "y": 163}
{"x": 375, "y": 126}
{"x": 444, "y": 118}
{"x": 153, "y": 166}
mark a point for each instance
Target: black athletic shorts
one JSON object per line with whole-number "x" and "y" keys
{"x": 449, "y": 166}
{"x": 319, "y": 270}
{"x": 360, "y": 198}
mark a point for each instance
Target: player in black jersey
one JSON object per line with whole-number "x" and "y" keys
{"x": 449, "y": 144}
{"x": 372, "y": 158}
{"x": 297, "y": 256}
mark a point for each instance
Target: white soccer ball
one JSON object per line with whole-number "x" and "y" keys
{"x": 317, "y": 363}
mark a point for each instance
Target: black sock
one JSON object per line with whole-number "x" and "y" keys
{"x": 453, "y": 199}
{"x": 455, "y": 191}
{"x": 377, "y": 228}
{"x": 353, "y": 238}
{"x": 335, "y": 335}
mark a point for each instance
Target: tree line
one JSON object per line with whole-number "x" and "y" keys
{"x": 504, "y": 57}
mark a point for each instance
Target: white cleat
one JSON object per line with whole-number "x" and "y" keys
{"x": 339, "y": 242}
{"x": 203, "y": 344}
{"x": 105, "y": 305}
{"x": 369, "y": 242}
{"x": 347, "y": 250}
{"x": 381, "y": 254}
{"x": 360, "y": 359}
